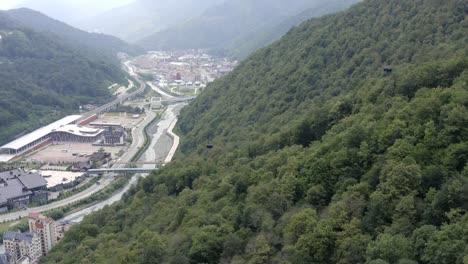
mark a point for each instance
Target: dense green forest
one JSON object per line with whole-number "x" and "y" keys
{"x": 42, "y": 78}
{"x": 319, "y": 155}
{"x": 239, "y": 27}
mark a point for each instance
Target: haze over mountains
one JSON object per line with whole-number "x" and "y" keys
{"x": 142, "y": 18}
{"x": 239, "y": 27}
{"x": 217, "y": 25}
{"x": 70, "y": 11}
{"x": 229, "y": 27}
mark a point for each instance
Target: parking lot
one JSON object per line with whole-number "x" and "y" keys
{"x": 69, "y": 153}
{"x": 126, "y": 120}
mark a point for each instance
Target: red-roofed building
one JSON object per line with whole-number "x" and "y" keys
{"x": 45, "y": 228}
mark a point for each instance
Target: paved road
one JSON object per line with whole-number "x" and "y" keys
{"x": 163, "y": 94}
{"x": 106, "y": 180}
{"x": 121, "y": 98}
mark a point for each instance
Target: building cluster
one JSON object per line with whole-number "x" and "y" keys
{"x": 192, "y": 68}
{"x": 113, "y": 135}
{"x": 30, "y": 246}
{"x": 18, "y": 188}
{"x": 95, "y": 160}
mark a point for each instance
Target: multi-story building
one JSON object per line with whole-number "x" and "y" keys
{"x": 22, "y": 245}
{"x": 45, "y": 228}
{"x": 114, "y": 138}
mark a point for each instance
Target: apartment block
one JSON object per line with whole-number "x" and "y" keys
{"x": 46, "y": 230}
{"x": 22, "y": 246}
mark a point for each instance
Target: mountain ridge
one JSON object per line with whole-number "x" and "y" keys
{"x": 105, "y": 44}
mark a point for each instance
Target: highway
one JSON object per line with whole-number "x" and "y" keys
{"x": 121, "y": 98}
{"x": 163, "y": 94}
{"x": 120, "y": 170}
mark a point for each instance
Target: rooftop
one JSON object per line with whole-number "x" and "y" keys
{"x": 32, "y": 181}
{"x": 10, "y": 174}
{"x": 17, "y": 236}
{"x": 79, "y": 130}
{"x": 13, "y": 189}
{"x": 41, "y": 132}
{"x": 39, "y": 216}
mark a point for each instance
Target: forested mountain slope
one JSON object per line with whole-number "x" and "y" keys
{"x": 319, "y": 155}
{"x": 98, "y": 43}
{"x": 235, "y": 24}
{"x": 43, "y": 78}
{"x": 246, "y": 44}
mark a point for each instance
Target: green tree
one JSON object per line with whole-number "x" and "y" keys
{"x": 390, "y": 248}
{"x": 207, "y": 245}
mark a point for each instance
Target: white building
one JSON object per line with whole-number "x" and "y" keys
{"x": 34, "y": 140}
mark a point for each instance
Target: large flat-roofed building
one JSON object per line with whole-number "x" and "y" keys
{"x": 35, "y": 139}
{"x": 64, "y": 130}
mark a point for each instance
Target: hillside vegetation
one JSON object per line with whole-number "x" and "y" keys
{"x": 319, "y": 155}
{"x": 94, "y": 42}
{"x": 43, "y": 78}
{"x": 245, "y": 44}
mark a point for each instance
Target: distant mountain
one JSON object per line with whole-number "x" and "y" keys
{"x": 101, "y": 43}
{"x": 43, "y": 77}
{"x": 142, "y": 18}
{"x": 71, "y": 11}
{"x": 220, "y": 27}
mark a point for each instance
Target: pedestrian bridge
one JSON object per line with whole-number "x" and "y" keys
{"x": 120, "y": 170}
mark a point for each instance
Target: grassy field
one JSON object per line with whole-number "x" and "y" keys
{"x": 12, "y": 225}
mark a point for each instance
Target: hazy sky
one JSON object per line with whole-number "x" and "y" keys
{"x": 7, "y": 4}
{"x": 69, "y": 11}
